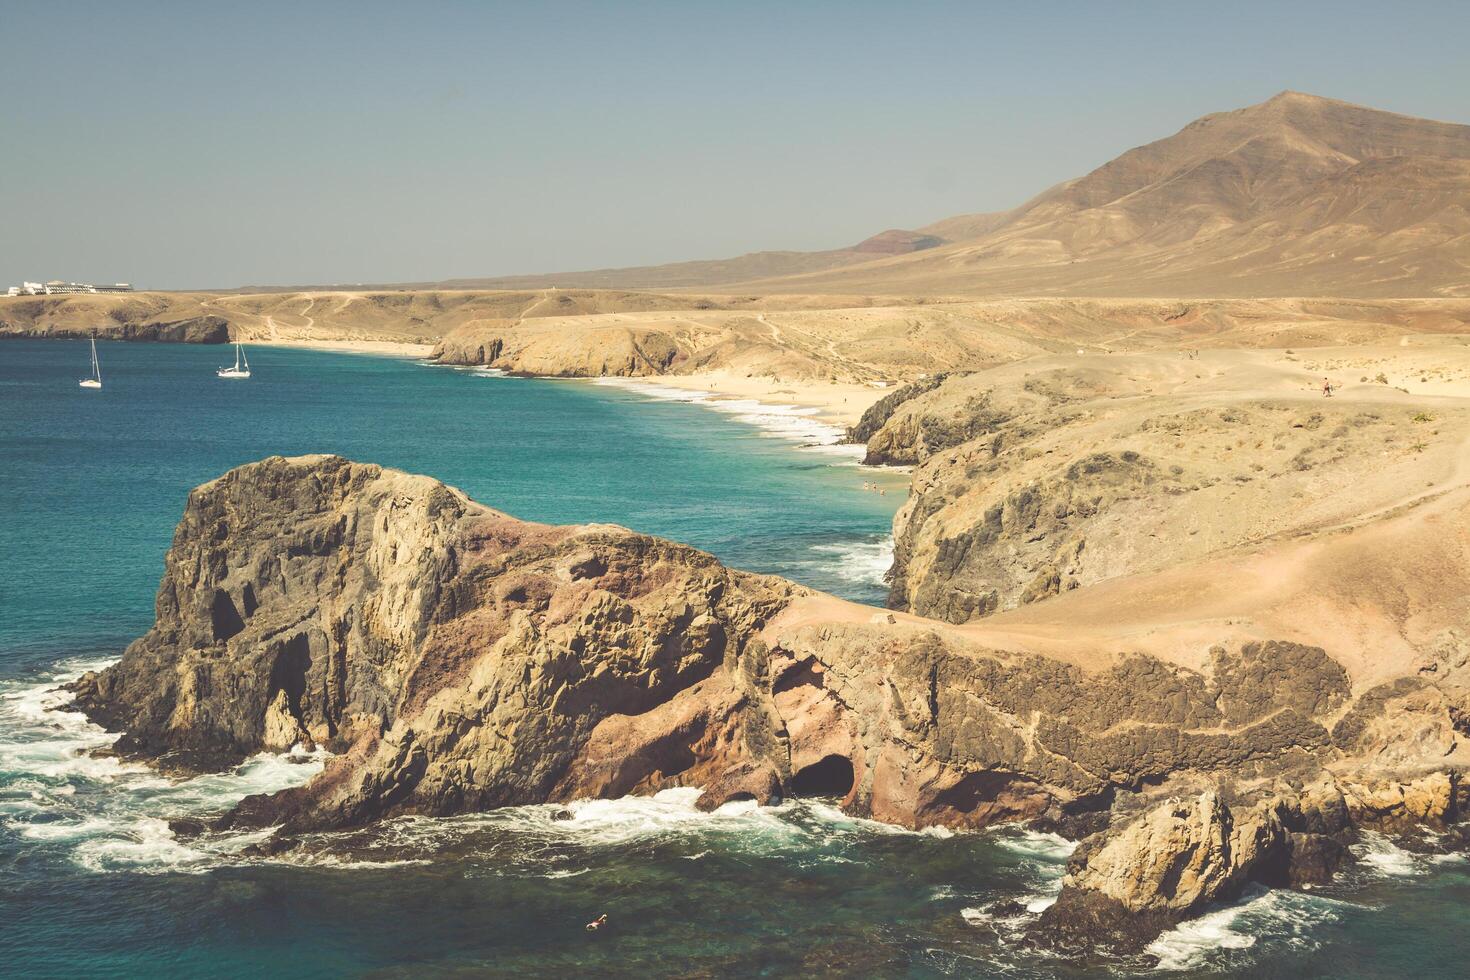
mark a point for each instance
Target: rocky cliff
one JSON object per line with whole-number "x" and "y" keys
{"x": 595, "y": 350}
{"x": 456, "y": 659}
{"x": 189, "y": 330}
{"x": 1056, "y": 474}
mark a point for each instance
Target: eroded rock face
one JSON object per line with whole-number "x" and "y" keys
{"x": 469, "y": 656}
{"x": 456, "y": 659}
{"x": 1127, "y": 885}
{"x": 1038, "y": 478}
{"x": 479, "y": 661}
{"x": 614, "y": 350}
{"x": 208, "y": 329}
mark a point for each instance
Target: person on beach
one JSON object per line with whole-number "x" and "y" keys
{"x": 1326, "y": 388}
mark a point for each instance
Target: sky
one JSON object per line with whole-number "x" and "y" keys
{"x": 203, "y": 145}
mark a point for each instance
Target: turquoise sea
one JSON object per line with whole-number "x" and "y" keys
{"x": 93, "y": 884}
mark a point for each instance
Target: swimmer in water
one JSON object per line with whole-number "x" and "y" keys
{"x": 597, "y": 923}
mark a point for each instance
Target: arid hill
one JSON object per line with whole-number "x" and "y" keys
{"x": 1296, "y": 196}
{"x": 709, "y": 273}
{"x": 403, "y": 316}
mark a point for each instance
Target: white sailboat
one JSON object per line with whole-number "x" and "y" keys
{"x": 238, "y": 371}
{"x": 95, "y": 381}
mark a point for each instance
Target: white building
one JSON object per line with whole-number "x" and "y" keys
{"x": 57, "y": 287}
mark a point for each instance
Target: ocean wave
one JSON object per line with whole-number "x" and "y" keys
{"x": 1381, "y": 857}
{"x": 666, "y": 815}
{"x": 1035, "y": 844}
{"x": 865, "y": 562}
{"x": 105, "y": 815}
{"x": 145, "y": 844}
{"x": 1277, "y": 917}
{"x": 64, "y": 799}
{"x": 792, "y": 423}
{"x": 344, "y": 862}
{"x": 1044, "y": 859}
{"x": 558, "y": 840}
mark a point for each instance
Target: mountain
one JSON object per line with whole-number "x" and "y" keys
{"x": 1296, "y": 196}
{"x": 716, "y": 272}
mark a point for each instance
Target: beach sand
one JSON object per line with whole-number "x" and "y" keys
{"x": 385, "y": 348}
{"x": 836, "y": 403}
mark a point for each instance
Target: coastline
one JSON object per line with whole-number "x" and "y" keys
{"x": 835, "y": 404}
{"x": 838, "y": 405}
{"x": 384, "y": 348}
{"x": 804, "y": 418}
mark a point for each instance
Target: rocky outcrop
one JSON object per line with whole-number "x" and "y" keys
{"x": 191, "y": 330}
{"x": 601, "y": 350}
{"x": 1035, "y": 479}
{"x": 346, "y": 600}
{"x": 455, "y": 659}
{"x": 1125, "y": 886}
{"x": 878, "y": 414}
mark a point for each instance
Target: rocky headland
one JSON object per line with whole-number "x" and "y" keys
{"x": 456, "y": 659}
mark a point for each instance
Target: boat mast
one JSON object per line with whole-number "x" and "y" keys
{"x": 96, "y": 368}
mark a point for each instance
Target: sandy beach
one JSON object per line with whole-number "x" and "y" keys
{"x": 836, "y": 403}
{"x": 386, "y": 348}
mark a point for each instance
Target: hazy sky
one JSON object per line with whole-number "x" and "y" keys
{"x": 197, "y": 145}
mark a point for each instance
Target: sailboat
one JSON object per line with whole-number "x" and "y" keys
{"x": 238, "y": 371}
{"x": 95, "y": 381}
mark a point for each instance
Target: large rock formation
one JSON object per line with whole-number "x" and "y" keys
{"x": 457, "y": 659}
{"x": 1056, "y": 474}
{"x": 596, "y": 350}
{"x": 207, "y": 329}
{"x": 1123, "y": 887}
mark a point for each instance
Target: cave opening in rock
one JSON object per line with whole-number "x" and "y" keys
{"x": 831, "y": 776}
{"x": 288, "y": 673}
{"x": 224, "y": 618}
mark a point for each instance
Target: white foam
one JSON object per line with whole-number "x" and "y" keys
{"x": 567, "y": 873}
{"x": 808, "y": 830}
{"x": 145, "y": 845}
{"x": 306, "y": 859}
{"x": 864, "y": 562}
{"x": 1037, "y": 904}
{"x": 793, "y": 423}
{"x": 1380, "y": 856}
{"x": 1046, "y": 857}
{"x": 1187, "y": 945}
{"x": 1036, "y": 844}
{"x": 837, "y": 820}
{"x": 118, "y": 824}
{"x": 1276, "y": 917}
